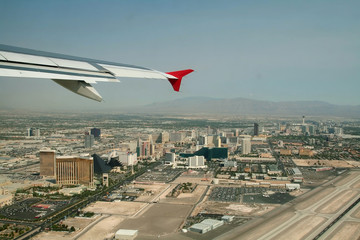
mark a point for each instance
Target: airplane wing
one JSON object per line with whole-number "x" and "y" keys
{"x": 74, "y": 73}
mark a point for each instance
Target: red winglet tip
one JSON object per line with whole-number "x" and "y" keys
{"x": 179, "y": 75}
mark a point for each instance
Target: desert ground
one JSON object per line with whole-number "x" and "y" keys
{"x": 327, "y": 163}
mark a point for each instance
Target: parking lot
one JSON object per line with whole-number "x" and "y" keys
{"x": 33, "y": 208}
{"x": 160, "y": 174}
{"x": 226, "y": 194}
{"x": 250, "y": 195}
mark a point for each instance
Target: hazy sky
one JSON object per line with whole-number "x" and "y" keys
{"x": 268, "y": 50}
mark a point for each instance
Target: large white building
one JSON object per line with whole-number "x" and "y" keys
{"x": 245, "y": 146}
{"x": 206, "y": 226}
{"x": 197, "y": 162}
{"x": 126, "y": 234}
{"x": 127, "y": 158}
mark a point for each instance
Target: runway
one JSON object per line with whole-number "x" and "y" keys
{"x": 309, "y": 214}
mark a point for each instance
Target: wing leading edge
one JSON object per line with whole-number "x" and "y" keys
{"x": 74, "y": 73}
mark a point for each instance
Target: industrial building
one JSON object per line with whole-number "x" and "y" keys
{"x": 126, "y": 234}
{"x": 227, "y": 218}
{"x": 206, "y": 226}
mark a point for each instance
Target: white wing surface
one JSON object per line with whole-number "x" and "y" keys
{"x": 74, "y": 73}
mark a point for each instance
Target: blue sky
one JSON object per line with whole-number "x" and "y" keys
{"x": 267, "y": 50}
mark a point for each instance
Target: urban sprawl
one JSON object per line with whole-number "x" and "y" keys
{"x": 113, "y": 176}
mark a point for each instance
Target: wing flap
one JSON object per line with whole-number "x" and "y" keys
{"x": 26, "y": 58}
{"x": 80, "y": 87}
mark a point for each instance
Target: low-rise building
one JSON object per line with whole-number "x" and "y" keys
{"x": 126, "y": 234}
{"x": 206, "y": 225}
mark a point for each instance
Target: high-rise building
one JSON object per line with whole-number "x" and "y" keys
{"x": 338, "y": 131}
{"x": 145, "y": 148}
{"x": 74, "y": 170}
{"x": 156, "y": 137}
{"x": 217, "y": 141}
{"x": 33, "y": 132}
{"x": 177, "y": 136}
{"x": 246, "y": 146}
{"x": 203, "y": 140}
{"x": 164, "y": 137}
{"x": 47, "y": 163}
{"x": 170, "y": 157}
{"x": 96, "y": 132}
{"x": 256, "y": 129}
{"x": 311, "y": 129}
{"x": 89, "y": 141}
{"x": 236, "y": 132}
{"x": 127, "y": 158}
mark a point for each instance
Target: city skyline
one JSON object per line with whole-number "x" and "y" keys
{"x": 274, "y": 51}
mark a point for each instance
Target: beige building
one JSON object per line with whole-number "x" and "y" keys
{"x": 306, "y": 152}
{"x": 74, "y": 170}
{"x": 285, "y": 152}
{"x": 47, "y": 163}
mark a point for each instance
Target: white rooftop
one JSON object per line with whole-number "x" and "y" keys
{"x": 126, "y": 232}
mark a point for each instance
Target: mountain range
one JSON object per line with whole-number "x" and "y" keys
{"x": 250, "y": 107}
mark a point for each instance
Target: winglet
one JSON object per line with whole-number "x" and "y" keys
{"x": 178, "y": 75}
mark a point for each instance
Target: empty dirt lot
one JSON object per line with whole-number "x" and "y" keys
{"x": 327, "y": 163}
{"x": 105, "y": 228}
{"x": 236, "y": 209}
{"x": 115, "y": 208}
{"x": 186, "y": 198}
{"x": 159, "y": 219}
{"x": 155, "y": 189}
